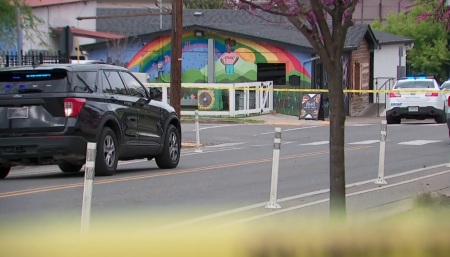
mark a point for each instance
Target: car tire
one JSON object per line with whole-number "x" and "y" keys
{"x": 107, "y": 153}
{"x": 170, "y": 155}
{"x": 69, "y": 167}
{"x": 393, "y": 120}
{"x": 441, "y": 118}
{"x": 4, "y": 170}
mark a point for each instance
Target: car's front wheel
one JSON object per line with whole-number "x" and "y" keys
{"x": 170, "y": 155}
{"x": 69, "y": 167}
{"x": 107, "y": 153}
{"x": 4, "y": 170}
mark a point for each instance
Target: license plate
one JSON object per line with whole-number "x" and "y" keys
{"x": 413, "y": 109}
{"x": 18, "y": 113}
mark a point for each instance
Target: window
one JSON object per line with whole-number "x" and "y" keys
{"x": 84, "y": 81}
{"x": 116, "y": 83}
{"x": 34, "y": 81}
{"x": 136, "y": 89}
{"x": 414, "y": 84}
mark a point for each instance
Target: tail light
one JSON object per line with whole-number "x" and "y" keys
{"x": 392, "y": 95}
{"x": 73, "y": 106}
{"x": 432, "y": 94}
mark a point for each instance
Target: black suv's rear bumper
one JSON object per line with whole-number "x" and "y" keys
{"x": 42, "y": 150}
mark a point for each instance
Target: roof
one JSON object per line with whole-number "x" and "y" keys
{"x": 391, "y": 39}
{"x": 259, "y": 24}
{"x": 41, "y": 3}
{"x": 357, "y": 33}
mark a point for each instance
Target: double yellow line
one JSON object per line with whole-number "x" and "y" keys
{"x": 161, "y": 174}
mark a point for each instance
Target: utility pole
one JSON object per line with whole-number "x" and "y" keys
{"x": 175, "y": 66}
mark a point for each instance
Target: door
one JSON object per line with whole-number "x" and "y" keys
{"x": 122, "y": 104}
{"x": 149, "y": 125}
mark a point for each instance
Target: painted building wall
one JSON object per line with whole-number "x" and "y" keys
{"x": 237, "y": 65}
{"x": 235, "y": 60}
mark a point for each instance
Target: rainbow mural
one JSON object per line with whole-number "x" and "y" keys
{"x": 155, "y": 57}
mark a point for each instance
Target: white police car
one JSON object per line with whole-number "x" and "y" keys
{"x": 415, "y": 98}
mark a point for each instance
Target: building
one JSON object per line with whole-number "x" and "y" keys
{"x": 367, "y": 11}
{"x": 389, "y": 55}
{"x": 268, "y": 47}
{"x": 265, "y": 47}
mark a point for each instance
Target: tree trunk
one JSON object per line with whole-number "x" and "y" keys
{"x": 337, "y": 141}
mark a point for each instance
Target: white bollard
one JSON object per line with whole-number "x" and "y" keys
{"x": 272, "y": 204}
{"x": 89, "y": 173}
{"x": 380, "y": 180}
{"x": 197, "y": 133}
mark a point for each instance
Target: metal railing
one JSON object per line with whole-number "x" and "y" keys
{"x": 11, "y": 59}
{"x": 387, "y": 85}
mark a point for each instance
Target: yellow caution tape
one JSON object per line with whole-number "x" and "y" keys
{"x": 312, "y": 90}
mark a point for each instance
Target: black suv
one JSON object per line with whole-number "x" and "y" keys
{"x": 48, "y": 114}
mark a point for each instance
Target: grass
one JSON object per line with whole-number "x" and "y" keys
{"x": 432, "y": 201}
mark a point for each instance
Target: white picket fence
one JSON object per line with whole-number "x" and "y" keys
{"x": 252, "y": 97}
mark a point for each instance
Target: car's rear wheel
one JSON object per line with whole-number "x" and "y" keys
{"x": 393, "y": 120}
{"x": 441, "y": 118}
{"x": 69, "y": 167}
{"x": 4, "y": 170}
{"x": 170, "y": 155}
{"x": 107, "y": 153}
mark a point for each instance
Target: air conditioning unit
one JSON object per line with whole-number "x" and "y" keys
{"x": 210, "y": 100}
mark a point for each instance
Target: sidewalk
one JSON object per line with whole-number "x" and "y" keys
{"x": 289, "y": 120}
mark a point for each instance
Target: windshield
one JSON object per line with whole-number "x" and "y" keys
{"x": 34, "y": 81}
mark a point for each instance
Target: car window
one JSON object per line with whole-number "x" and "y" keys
{"x": 136, "y": 89}
{"x": 446, "y": 85}
{"x": 84, "y": 81}
{"x": 411, "y": 84}
{"x": 34, "y": 81}
{"x": 115, "y": 82}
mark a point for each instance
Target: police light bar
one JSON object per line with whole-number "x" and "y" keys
{"x": 418, "y": 77}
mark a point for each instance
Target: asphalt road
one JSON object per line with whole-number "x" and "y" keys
{"x": 233, "y": 170}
